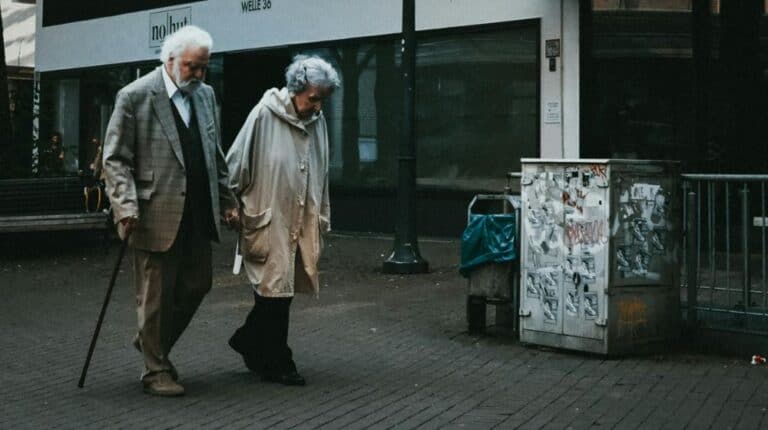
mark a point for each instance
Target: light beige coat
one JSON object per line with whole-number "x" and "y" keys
{"x": 278, "y": 167}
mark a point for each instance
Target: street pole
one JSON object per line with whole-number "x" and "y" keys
{"x": 405, "y": 258}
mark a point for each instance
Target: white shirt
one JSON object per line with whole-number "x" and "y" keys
{"x": 177, "y": 97}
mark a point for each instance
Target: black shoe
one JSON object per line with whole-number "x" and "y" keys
{"x": 287, "y": 378}
{"x": 250, "y": 362}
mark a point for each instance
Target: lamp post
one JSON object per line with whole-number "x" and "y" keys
{"x": 405, "y": 257}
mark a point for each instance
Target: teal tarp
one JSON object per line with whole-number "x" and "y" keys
{"x": 487, "y": 238}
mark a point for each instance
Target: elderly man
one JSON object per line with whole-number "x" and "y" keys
{"x": 167, "y": 181}
{"x": 279, "y": 170}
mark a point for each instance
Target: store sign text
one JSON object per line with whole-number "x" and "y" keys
{"x": 162, "y": 24}
{"x": 255, "y": 5}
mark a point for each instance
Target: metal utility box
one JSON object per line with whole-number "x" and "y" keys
{"x": 599, "y": 254}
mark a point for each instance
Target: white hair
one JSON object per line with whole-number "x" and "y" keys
{"x": 306, "y": 70}
{"x": 184, "y": 38}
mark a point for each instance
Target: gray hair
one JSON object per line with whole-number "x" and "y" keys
{"x": 184, "y": 38}
{"x": 306, "y": 70}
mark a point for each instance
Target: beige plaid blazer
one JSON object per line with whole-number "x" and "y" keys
{"x": 144, "y": 165}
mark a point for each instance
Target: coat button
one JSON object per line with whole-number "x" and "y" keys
{"x": 183, "y": 193}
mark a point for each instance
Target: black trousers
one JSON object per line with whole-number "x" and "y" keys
{"x": 264, "y": 335}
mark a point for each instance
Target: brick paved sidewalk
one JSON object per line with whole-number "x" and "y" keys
{"x": 378, "y": 351}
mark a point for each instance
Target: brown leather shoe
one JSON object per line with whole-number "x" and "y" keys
{"x": 162, "y": 384}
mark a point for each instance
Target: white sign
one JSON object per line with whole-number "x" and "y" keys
{"x": 165, "y": 23}
{"x": 646, "y": 192}
{"x": 552, "y": 113}
{"x": 125, "y": 38}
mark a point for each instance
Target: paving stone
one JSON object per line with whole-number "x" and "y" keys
{"x": 378, "y": 351}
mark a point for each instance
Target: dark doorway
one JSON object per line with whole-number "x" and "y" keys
{"x": 246, "y": 77}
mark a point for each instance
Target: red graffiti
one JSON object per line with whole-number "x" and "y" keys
{"x": 585, "y": 232}
{"x": 598, "y": 170}
{"x": 574, "y": 203}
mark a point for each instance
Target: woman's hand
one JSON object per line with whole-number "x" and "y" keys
{"x": 232, "y": 218}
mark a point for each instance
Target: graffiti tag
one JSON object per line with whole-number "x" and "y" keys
{"x": 586, "y": 232}
{"x": 632, "y": 316}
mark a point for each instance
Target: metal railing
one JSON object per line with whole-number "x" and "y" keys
{"x": 724, "y": 252}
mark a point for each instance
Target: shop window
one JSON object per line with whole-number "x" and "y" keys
{"x": 642, "y": 99}
{"x": 640, "y": 102}
{"x": 363, "y": 116}
{"x": 658, "y": 5}
{"x": 477, "y": 106}
{"x": 716, "y": 6}
{"x": 75, "y": 107}
{"x": 16, "y": 148}
{"x": 643, "y": 5}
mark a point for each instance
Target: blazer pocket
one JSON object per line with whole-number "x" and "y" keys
{"x": 256, "y": 236}
{"x": 145, "y": 184}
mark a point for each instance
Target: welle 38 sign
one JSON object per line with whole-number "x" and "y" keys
{"x": 165, "y": 23}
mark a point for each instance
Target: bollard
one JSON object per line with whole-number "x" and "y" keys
{"x": 691, "y": 271}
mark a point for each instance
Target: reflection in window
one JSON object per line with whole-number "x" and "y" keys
{"x": 716, "y": 6}
{"x": 16, "y": 149}
{"x": 476, "y": 109}
{"x": 657, "y": 5}
{"x": 641, "y": 100}
{"x": 76, "y": 107}
{"x": 477, "y": 106}
{"x": 363, "y": 115}
{"x": 643, "y": 5}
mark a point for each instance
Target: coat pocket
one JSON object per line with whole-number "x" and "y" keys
{"x": 256, "y": 236}
{"x": 145, "y": 184}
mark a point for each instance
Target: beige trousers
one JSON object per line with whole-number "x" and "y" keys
{"x": 169, "y": 288}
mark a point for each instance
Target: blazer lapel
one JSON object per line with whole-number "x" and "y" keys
{"x": 162, "y": 106}
{"x": 202, "y": 114}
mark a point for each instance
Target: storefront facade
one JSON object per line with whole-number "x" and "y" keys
{"x": 497, "y": 80}
{"x": 486, "y": 93}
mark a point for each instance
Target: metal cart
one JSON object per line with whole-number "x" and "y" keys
{"x": 494, "y": 283}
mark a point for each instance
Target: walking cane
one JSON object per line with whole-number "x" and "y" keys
{"x": 103, "y": 311}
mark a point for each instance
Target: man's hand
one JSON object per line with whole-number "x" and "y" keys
{"x": 129, "y": 224}
{"x": 232, "y": 218}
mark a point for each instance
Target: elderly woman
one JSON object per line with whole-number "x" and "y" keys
{"x": 278, "y": 167}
